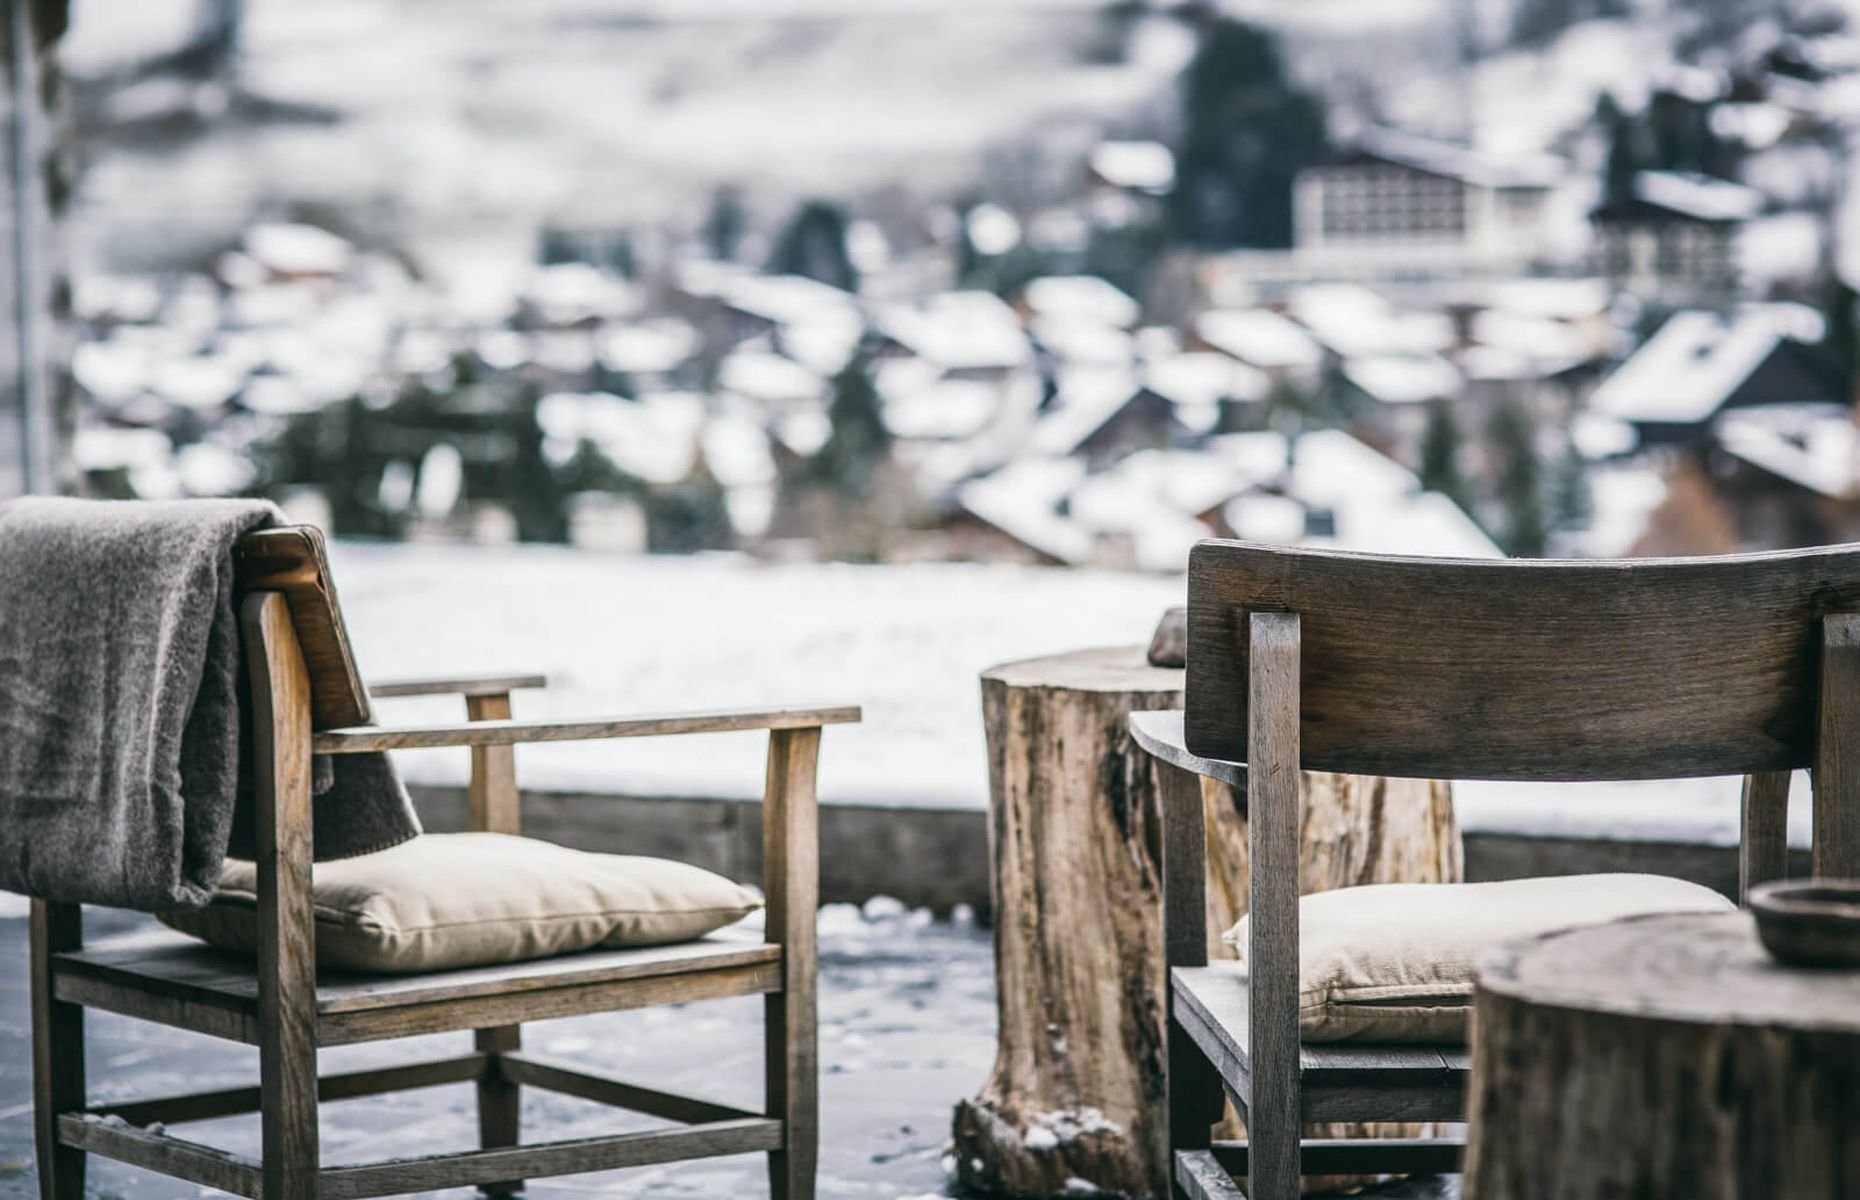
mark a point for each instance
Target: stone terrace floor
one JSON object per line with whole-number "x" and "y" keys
{"x": 906, "y": 1026}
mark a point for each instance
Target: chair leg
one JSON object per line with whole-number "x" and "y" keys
{"x": 1194, "y": 1096}
{"x": 57, "y": 1052}
{"x": 791, "y": 879}
{"x": 1274, "y": 1137}
{"x": 499, "y": 1100}
{"x": 792, "y": 1088}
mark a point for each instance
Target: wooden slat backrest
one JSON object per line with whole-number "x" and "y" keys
{"x": 291, "y": 559}
{"x": 1531, "y": 670}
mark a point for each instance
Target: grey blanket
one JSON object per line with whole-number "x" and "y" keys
{"x": 120, "y": 713}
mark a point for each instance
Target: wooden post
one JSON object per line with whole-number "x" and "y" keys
{"x": 493, "y": 806}
{"x": 57, "y": 1052}
{"x": 286, "y": 931}
{"x": 1837, "y": 754}
{"x": 1763, "y": 844}
{"x": 1274, "y": 1113}
{"x": 1077, "y": 837}
{"x": 791, "y": 883}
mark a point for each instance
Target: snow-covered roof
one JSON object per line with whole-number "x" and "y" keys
{"x": 785, "y": 298}
{"x": 1081, "y": 296}
{"x": 1701, "y": 197}
{"x": 1260, "y": 337}
{"x": 1022, "y": 500}
{"x": 654, "y": 438}
{"x": 959, "y": 331}
{"x": 1086, "y": 398}
{"x": 770, "y": 378}
{"x": 1354, "y": 322}
{"x": 1201, "y": 378}
{"x": 1563, "y": 299}
{"x": 1815, "y": 446}
{"x": 1687, "y": 370}
{"x": 298, "y": 250}
{"x": 1459, "y": 162}
{"x": 1426, "y": 523}
{"x": 569, "y": 293}
{"x": 737, "y": 451}
{"x": 1138, "y": 165}
{"x": 648, "y": 348}
{"x": 943, "y": 409}
{"x": 1083, "y": 341}
{"x": 1404, "y": 379}
{"x": 1331, "y": 469}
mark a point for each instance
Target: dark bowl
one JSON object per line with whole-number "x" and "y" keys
{"x": 1810, "y": 923}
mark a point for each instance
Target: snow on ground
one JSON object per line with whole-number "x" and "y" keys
{"x": 637, "y": 634}
{"x": 634, "y": 634}
{"x": 906, "y": 1030}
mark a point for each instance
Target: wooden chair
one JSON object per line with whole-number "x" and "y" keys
{"x": 1524, "y": 670}
{"x": 307, "y": 698}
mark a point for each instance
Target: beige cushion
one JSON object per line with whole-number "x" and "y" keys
{"x": 458, "y": 899}
{"x": 1393, "y": 962}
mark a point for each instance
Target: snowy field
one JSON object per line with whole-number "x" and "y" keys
{"x": 620, "y": 635}
{"x": 633, "y": 634}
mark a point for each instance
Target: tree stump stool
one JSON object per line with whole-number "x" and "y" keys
{"x": 1663, "y": 1056}
{"x": 1076, "y": 1094}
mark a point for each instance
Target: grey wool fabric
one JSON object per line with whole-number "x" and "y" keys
{"x": 120, "y": 713}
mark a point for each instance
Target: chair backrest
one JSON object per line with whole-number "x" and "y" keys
{"x": 1632, "y": 669}
{"x": 291, "y": 559}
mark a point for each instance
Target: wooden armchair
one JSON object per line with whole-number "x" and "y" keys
{"x": 1525, "y": 670}
{"x": 307, "y": 699}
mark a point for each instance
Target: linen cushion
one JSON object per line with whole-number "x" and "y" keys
{"x": 1393, "y": 962}
{"x": 461, "y": 899}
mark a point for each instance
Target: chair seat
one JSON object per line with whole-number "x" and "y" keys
{"x": 166, "y": 977}
{"x": 1343, "y": 1081}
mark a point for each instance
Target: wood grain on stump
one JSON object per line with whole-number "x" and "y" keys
{"x": 1076, "y": 1094}
{"x": 1663, "y": 1056}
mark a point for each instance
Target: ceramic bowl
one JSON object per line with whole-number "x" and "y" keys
{"x": 1810, "y": 922}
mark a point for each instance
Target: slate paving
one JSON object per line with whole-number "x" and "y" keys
{"x": 907, "y": 1029}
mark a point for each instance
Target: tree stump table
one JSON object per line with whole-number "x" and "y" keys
{"x": 1076, "y": 1094}
{"x": 1663, "y": 1056}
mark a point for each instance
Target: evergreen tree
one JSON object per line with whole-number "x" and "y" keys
{"x": 814, "y": 245}
{"x": 1520, "y": 481}
{"x": 1841, "y": 343}
{"x": 689, "y": 516}
{"x": 535, "y": 495}
{"x": 1573, "y": 504}
{"x": 1247, "y": 130}
{"x": 1440, "y": 455}
{"x": 859, "y": 444}
{"x": 723, "y": 228}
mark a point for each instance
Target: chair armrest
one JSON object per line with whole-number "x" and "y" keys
{"x": 1160, "y": 734}
{"x": 506, "y": 733}
{"x": 464, "y": 685}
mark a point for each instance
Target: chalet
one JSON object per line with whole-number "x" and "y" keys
{"x": 1699, "y": 364}
{"x": 1401, "y": 204}
{"x": 1672, "y": 238}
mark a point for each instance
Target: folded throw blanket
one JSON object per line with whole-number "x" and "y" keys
{"x": 120, "y": 722}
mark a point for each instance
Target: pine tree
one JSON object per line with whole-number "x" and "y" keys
{"x": 1247, "y": 130}
{"x": 1520, "y": 481}
{"x": 859, "y": 444}
{"x": 1440, "y": 455}
{"x": 814, "y": 245}
{"x": 723, "y": 228}
{"x": 690, "y": 515}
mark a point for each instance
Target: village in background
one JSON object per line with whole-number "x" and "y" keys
{"x": 1573, "y": 286}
